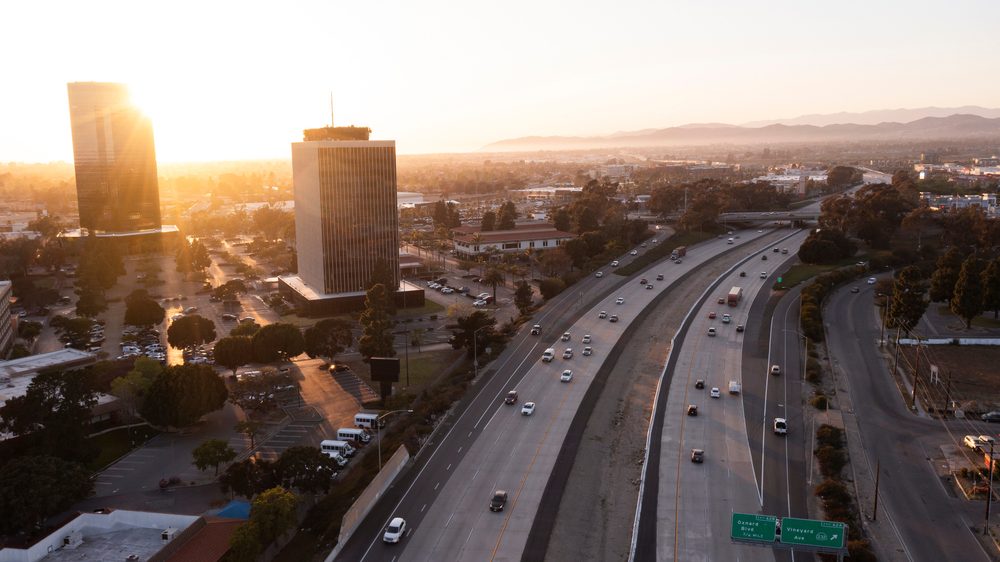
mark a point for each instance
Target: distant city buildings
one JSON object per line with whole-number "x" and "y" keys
{"x": 947, "y": 203}
{"x": 793, "y": 180}
{"x": 346, "y": 219}
{"x": 7, "y": 325}
{"x": 115, "y": 160}
{"x": 471, "y": 240}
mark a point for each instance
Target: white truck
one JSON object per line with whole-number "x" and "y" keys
{"x": 735, "y": 387}
{"x": 549, "y": 355}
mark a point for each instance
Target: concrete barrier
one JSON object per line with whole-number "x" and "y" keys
{"x": 367, "y": 500}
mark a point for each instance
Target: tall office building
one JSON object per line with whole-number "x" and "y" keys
{"x": 116, "y": 182}
{"x": 6, "y": 320}
{"x": 346, "y": 219}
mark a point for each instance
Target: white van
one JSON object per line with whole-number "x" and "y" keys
{"x": 365, "y": 419}
{"x": 549, "y": 355}
{"x": 730, "y": 241}
{"x": 334, "y": 446}
{"x": 353, "y": 434}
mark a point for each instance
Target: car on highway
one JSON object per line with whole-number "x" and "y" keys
{"x": 763, "y": 257}
{"x": 614, "y": 318}
{"x": 565, "y": 336}
{"x": 775, "y": 369}
{"x": 614, "y": 263}
{"x": 763, "y": 275}
{"x": 700, "y": 383}
{"x": 692, "y": 410}
{"x": 650, "y": 286}
{"x": 711, "y": 315}
{"x": 634, "y": 253}
{"x": 679, "y": 260}
{"x": 698, "y": 455}
{"x": 871, "y": 280}
{"x": 394, "y": 531}
{"x": 511, "y": 397}
{"x": 528, "y": 409}
{"x": 739, "y": 327}
{"x": 586, "y": 338}
{"x": 536, "y": 329}
{"x": 711, "y": 332}
{"x": 659, "y": 277}
{"x": 566, "y": 376}
{"x": 599, "y": 274}
{"x": 993, "y": 416}
{"x": 855, "y": 289}
{"x": 726, "y": 318}
{"x": 780, "y": 426}
{"x": 602, "y": 314}
{"x": 620, "y": 300}
{"x": 498, "y": 500}
{"x": 643, "y": 281}
{"x": 588, "y": 351}
{"x": 568, "y": 354}
{"x": 784, "y": 250}
{"x": 715, "y": 392}
{"x": 775, "y": 250}
{"x": 721, "y": 300}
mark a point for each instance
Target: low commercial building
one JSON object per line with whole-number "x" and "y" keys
{"x": 471, "y": 240}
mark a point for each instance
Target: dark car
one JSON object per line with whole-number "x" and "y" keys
{"x": 743, "y": 274}
{"x": 498, "y": 501}
{"x": 763, "y": 258}
{"x": 692, "y": 410}
{"x": 739, "y": 327}
{"x": 699, "y": 383}
{"x": 855, "y": 289}
{"x": 697, "y": 455}
{"x": 991, "y": 416}
{"x": 659, "y": 277}
{"x": 511, "y": 397}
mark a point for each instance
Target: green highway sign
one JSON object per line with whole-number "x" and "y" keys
{"x": 749, "y": 527}
{"x": 810, "y": 532}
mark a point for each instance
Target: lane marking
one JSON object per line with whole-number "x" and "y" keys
{"x": 460, "y": 449}
{"x": 447, "y": 468}
{"x": 422, "y": 508}
{"x": 436, "y": 485}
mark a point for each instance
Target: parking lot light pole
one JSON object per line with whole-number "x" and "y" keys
{"x": 378, "y": 432}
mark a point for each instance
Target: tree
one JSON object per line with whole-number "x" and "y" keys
{"x": 273, "y": 512}
{"x": 328, "y": 338}
{"x": 247, "y": 478}
{"x": 551, "y": 286}
{"x": 100, "y": 266}
{"x": 192, "y": 256}
{"x": 190, "y": 331}
{"x": 908, "y": 304}
{"x": 306, "y": 469}
{"x": 56, "y": 408}
{"x": 245, "y": 329}
{"x": 967, "y": 300}
{"x": 212, "y": 452}
{"x": 140, "y": 310}
{"x": 244, "y": 545}
{"x": 523, "y": 297}
{"x": 562, "y": 220}
{"x": 555, "y": 262}
{"x": 493, "y": 279}
{"x": 249, "y": 428}
{"x": 278, "y": 341}
{"x": 991, "y": 286}
{"x": 507, "y": 217}
{"x": 474, "y": 331}
{"x": 182, "y": 394}
{"x": 232, "y": 352}
{"x": 29, "y": 330}
{"x": 489, "y": 221}
{"x": 376, "y": 338}
{"x": 34, "y": 488}
{"x": 946, "y": 275}
{"x": 90, "y": 302}
{"x": 229, "y": 290}
{"x": 840, "y": 177}
{"x": 131, "y": 389}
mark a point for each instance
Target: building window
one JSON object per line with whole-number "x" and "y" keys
{"x": 477, "y": 248}
{"x": 511, "y": 245}
{"x": 531, "y": 244}
{"x": 545, "y": 243}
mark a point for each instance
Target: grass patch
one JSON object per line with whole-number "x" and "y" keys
{"x": 114, "y": 444}
{"x": 978, "y": 321}
{"x": 662, "y": 250}
{"x": 804, "y": 271}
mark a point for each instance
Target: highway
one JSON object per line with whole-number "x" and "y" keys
{"x": 691, "y": 503}
{"x": 491, "y": 446}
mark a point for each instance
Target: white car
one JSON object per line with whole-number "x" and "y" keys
{"x": 447, "y": 291}
{"x": 565, "y": 336}
{"x": 395, "y": 530}
{"x": 614, "y": 263}
{"x": 566, "y": 376}
{"x": 620, "y": 300}
{"x": 479, "y": 303}
{"x": 711, "y": 332}
{"x": 588, "y": 351}
{"x": 634, "y": 253}
{"x": 568, "y": 354}
{"x": 434, "y": 286}
{"x": 763, "y": 275}
{"x": 603, "y": 314}
{"x": 599, "y": 274}
{"x": 528, "y": 409}
{"x": 871, "y": 280}
{"x": 715, "y": 392}
{"x": 726, "y": 318}
{"x": 586, "y": 338}
{"x": 775, "y": 370}
{"x": 972, "y": 442}
{"x": 482, "y": 296}
{"x": 780, "y": 426}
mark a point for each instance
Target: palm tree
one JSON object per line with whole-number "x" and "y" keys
{"x": 493, "y": 278}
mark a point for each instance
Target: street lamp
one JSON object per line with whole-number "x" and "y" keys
{"x": 378, "y": 432}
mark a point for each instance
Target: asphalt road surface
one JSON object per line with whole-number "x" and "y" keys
{"x": 491, "y": 446}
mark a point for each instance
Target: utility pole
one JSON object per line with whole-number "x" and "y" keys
{"x": 885, "y": 312}
{"x": 916, "y": 376}
{"x": 989, "y": 494}
{"x": 878, "y": 472}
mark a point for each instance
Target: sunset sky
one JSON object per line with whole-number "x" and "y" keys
{"x": 240, "y": 80}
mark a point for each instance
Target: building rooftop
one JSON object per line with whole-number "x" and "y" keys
{"x": 351, "y": 133}
{"x": 83, "y": 232}
{"x": 207, "y": 544}
{"x": 523, "y": 231}
{"x": 68, "y": 358}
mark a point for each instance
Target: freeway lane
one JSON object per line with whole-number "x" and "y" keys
{"x": 447, "y": 516}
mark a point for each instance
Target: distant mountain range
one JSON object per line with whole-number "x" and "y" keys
{"x": 879, "y": 116}
{"x": 952, "y": 126}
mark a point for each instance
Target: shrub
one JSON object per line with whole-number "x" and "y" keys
{"x": 831, "y": 461}
{"x": 830, "y": 436}
{"x": 820, "y": 402}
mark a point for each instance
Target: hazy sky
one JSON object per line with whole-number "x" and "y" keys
{"x": 240, "y": 80}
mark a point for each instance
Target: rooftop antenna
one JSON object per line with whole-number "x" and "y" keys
{"x": 331, "y": 108}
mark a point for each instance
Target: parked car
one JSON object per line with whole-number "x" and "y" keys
{"x": 993, "y": 416}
